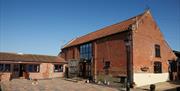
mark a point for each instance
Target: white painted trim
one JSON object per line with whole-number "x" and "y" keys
{"x": 142, "y": 79}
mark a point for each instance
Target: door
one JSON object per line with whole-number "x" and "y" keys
{"x": 85, "y": 70}
{"x": 66, "y": 72}
{"x": 16, "y": 71}
{"x": 22, "y": 69}
{"x": 81, "y": 69}
{"x": 172, "y": 70}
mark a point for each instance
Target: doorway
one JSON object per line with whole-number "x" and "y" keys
{"x": 84, "y": 69}
{"x": 66, "y": 72}
{"x": 15, "y": 72}
{"x": 172, "y": 70}
{"x": 22, "y": 70}
{"x": 18, "y": 70}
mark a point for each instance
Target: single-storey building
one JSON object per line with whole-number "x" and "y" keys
{"x": 30, "y": 66}
{"x": 105, "y": 52}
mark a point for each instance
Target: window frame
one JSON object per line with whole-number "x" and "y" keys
{"x": 157, "y": 50}
{"x": 107, "y": 64}
{"x": 1, "y": 67}
{"x": 4, "y": 69}
{"x": 35, "y": 68}
{"x": 157, "y": 67}
{"x": 86, "y": 51}
{"x": 59, "y": 66}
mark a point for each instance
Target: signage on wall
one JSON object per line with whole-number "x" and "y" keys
{"x": 73, "y": 67}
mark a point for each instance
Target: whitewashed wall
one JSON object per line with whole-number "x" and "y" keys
{"x": 142, "y": 79}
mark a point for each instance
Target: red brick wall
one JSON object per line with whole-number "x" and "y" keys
{"x": 144, "y": 39}
{"x": 111, "y": 49}
{"x": 76, "y": 53}
{"x": 69, "y": 53}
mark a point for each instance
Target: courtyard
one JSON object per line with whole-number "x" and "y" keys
{"x": 57, "y": 84}
{"x": 61, "y": 84}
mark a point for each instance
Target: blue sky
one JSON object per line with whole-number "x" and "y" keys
{"x": 43, "y": 26}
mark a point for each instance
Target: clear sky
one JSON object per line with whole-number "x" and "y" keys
{"x": 43, "y": 26}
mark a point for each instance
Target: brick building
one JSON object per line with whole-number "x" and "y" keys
{"x": 32, "y": 66}
{"x": 103, "y": 52}
{"x": 177, "y": 53}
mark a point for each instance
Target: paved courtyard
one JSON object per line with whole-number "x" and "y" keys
{"x": 60, "y": 84}
{"x": 52, "y": 85}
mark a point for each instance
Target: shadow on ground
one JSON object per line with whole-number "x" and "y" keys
{"x": 173, "y": 89}
{"x": 174, "y": 82}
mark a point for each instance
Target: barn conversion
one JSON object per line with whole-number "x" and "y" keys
{"x": 105, "y": 52}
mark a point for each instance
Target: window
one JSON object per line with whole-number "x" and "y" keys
{"x": 107, "y": 65}
{"x": 1, "y": 67}
{"x": 5, "y": 67}
{"x": 33, "y": 68}
{"x": 86, "y": 51}
{"x": 58, "y": 68}
{"x": 157, "y": 67}
{"x": 157, "y": 51}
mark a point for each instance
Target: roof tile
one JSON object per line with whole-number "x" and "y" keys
{"x": 109, "y": 30}
{"x": 29, "y": 57}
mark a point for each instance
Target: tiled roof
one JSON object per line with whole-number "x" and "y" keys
{"x": 109, "y": 30}
{"x": 29, "y": 57}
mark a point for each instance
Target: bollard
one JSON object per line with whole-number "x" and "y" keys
{"x": 152, "y": 87}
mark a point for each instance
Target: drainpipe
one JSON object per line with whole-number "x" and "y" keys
{"x": 127, "y": 43}
{"x": 94, "y": 60}
{"x": 129, "y": 64}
